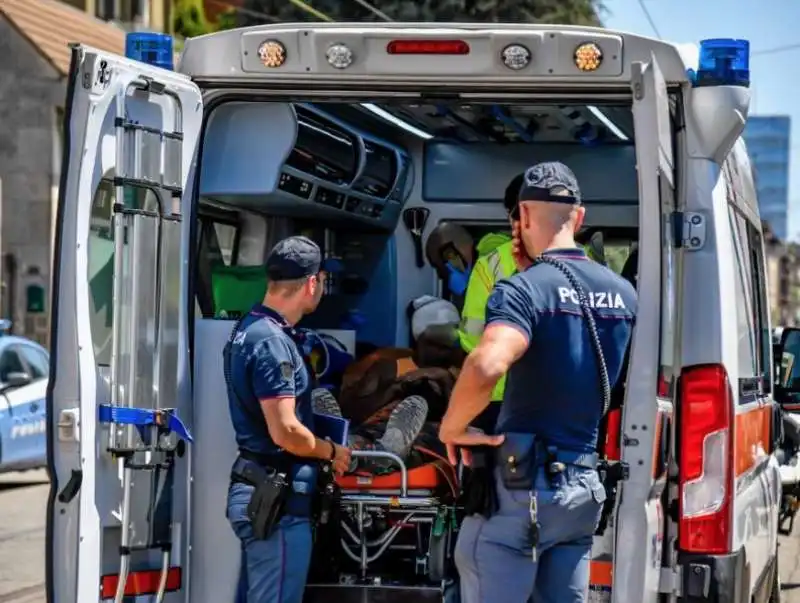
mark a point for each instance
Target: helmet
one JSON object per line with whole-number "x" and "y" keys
{"x": 511, "y": 198}
{"x": 449, "y": 242}
{"x": 434, "y": 316}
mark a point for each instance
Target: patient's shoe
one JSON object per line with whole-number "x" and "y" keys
{"x": 404, "y": 425}
{"x": 325, "y": 403}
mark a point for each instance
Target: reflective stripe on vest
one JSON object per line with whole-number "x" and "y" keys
{"x": 472, "y": 326}
{"x": 489, "y": 269}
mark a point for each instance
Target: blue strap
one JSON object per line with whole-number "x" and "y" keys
{"x": 142, "y": 417}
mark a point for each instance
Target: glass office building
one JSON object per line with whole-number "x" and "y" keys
{"x": 767, "y": 139}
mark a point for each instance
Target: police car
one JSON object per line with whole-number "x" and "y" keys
{"x": 24, "y": 370}
{"x": 365, "y": 137}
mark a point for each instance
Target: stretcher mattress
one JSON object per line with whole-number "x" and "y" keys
{"x": 434, "y": 475}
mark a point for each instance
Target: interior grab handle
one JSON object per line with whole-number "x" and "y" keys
{"x": 415, "y": 219}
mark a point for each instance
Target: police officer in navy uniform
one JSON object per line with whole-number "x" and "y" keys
{"x": 269, "y": 391}
{"x": 537, "y": 539}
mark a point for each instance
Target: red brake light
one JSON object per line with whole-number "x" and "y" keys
{"x": 427, "y": 47}
{"x": 705, "y": 469}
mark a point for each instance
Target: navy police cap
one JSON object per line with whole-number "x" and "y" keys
{"x": 295, "y": 258}
{"x": 545, "y": 181}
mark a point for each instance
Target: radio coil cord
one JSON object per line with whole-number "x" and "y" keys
{"x": 610, "y": 473}
{"x": 591, "y": 324}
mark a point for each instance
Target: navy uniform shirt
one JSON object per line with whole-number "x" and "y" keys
{"x": 265, "y": 363}
{"x": 554, "y": 389}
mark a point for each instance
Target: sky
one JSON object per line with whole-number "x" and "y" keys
{"x": 767, "y": 24}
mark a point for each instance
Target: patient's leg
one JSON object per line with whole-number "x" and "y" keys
{"x": 404, "y": 425}
{"x": 402, "y": 428}
{"x": 325, "y": 402}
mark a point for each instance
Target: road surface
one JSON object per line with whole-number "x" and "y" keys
{"x": 23, "y": 500}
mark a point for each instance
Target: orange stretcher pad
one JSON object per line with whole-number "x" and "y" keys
{"x": 436, "y": 474}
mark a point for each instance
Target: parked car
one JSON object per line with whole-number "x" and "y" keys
{"x": 24, "y": 370}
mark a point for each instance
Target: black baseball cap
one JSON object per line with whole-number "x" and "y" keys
{"x": 295, "y": 258}
{"x": 542, "y": 179}
{"x": 512, "y": 195}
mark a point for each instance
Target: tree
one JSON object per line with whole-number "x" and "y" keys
{"x": 576, "y": 12}
{"x": 189, "y": 19}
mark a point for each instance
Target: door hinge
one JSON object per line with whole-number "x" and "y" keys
{"x": 669, "y": 582}
{"x": 69, "y": 425}
{"x": 637, "y": 80}
{"x": 688, "y": 230}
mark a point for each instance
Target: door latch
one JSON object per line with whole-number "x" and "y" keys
{"x": 69, "y": 425}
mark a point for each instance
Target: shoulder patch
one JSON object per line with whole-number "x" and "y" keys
{"x": 497, "y": 299}
{"x": 287, "y": 370}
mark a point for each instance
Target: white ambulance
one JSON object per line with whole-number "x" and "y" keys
{"x": 176, "y": 183}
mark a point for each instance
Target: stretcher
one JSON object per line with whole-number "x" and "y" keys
{"x": 393, "y": 532}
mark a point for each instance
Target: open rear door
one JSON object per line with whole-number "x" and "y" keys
{"x": 119, "y": 331}
{"x": 647, "y": 410}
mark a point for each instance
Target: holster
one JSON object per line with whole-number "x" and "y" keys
{"x": 271, "y": 491}
{"x": 517, "y": 461}
{"x": 326, "y": 503}
{"x": 611, "y": 474}
{"x": 479, "y": 493}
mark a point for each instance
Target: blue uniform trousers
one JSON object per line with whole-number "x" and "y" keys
{"x": 494, "y": 557}
{"x": 274, "y": 570}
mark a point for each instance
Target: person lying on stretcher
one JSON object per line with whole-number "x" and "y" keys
{"x": 395, "y": 398}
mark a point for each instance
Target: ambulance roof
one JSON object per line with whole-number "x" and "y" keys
{"x": 234, "y": 55}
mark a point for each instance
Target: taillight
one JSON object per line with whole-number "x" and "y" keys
{"x": 427, "y": 47}
{"x": 705, "y": 468}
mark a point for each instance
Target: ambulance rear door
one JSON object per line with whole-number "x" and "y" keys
{"x": 119, "y": 317}
{"x": 648, "y": 407}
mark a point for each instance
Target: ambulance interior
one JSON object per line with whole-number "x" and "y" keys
{"x": 369, "y": 183}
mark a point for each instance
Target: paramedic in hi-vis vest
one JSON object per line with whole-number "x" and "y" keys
{"x": 491, "y": 267}
{"x": 274, "y": 478}
{"x": 559, "y": 328}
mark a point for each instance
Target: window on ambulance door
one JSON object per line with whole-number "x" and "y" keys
{"x": 752, "y": 319}
{"x": 217, "y": 246}
{"x": 101, "y": 258}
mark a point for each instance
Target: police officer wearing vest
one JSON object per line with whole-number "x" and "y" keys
{"x": 559, "y": 328}
{"x": 274, "y": 478}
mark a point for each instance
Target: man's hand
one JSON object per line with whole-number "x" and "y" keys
{"x": 471, "y": 437}
{"x": 341, "y": 459}
{"x": 521, "y": 258}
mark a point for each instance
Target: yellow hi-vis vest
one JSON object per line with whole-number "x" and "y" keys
{"x": 489, "y": 268}
{"x": 495, "y": 262}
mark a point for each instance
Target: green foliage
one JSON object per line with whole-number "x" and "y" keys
{"x": 189, "y": 19}
{"x": 577, "y": 12}
{"x": 227, "y": 19}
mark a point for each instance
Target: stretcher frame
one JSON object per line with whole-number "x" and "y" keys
{"x": 408, "y": 506}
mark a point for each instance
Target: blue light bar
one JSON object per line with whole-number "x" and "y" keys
{"x": 151, "y": 48}
{"x": 723, "y": 62}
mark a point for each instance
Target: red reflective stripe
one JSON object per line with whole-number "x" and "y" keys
{"x": 611, "y": 447}
{"x": 141, "y": 583}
